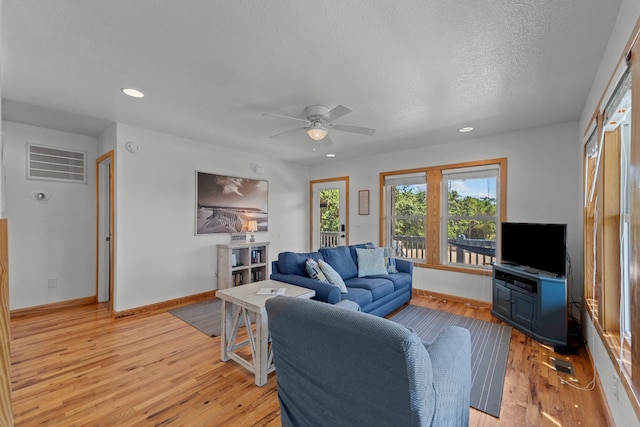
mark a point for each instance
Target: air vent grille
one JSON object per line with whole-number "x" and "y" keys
{"x": 56, "y": 164}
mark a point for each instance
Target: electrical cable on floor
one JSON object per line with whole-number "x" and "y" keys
{"x": 575, "y": 338}
{"x": 480, "y": 307}
{"x": 588, "y": 387}
{"x": 423, "y": 293}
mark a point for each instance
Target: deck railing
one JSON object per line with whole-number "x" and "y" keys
{"x": 459, "y": 251}
{"x": 329, "y": 239}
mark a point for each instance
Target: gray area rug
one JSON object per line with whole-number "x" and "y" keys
{"x": 489, "y": 343}
{"x": 489, "y": 350}
{"x": 204, "y": 316}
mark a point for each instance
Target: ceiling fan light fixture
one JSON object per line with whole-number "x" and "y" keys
{"x": 317, "y": 132}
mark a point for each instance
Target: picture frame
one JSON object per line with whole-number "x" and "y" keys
{"x": 363, "y": 202}
{"x": 226, "y": 204}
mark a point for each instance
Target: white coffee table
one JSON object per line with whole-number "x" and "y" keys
{"x": 238, "y": 304}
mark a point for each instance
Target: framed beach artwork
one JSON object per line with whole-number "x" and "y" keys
{"x": 226, "y": 204}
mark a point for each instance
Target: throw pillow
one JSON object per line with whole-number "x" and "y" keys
{"x": 341, "y": 261}
{"x": 314, "y": 271}
{"x": 332, "y": 276}
{"x": 294, "y": 263}
{"x": 371, "y": 262}
{"x": 389, "y": 261}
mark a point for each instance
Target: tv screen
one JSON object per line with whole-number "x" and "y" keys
{"x": 537, "y": 246}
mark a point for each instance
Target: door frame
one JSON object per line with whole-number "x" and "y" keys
{"x": 346, "y": 212}
{"x": 107, "y": 156}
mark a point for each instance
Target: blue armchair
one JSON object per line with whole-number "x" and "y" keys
{"x": 337, "y": 367}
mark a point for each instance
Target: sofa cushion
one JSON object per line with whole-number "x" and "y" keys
{"x": 362, "y": 297}
{"x": 340, "y": 259}
{"x": 378, "y": 286}
{"x": 314, "y": 270}
{"x": 370, "y": 262}
{"x": 349, "y": 305}
{"x": 332, "y": 276}
{"x": 295, "y": 263}
{"x": 389, "y": 261}
{"x": 400, "y": 280}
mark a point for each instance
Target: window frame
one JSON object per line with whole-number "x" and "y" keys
{"x": 602, "y": 252}
{"x": 486, "y": 171}
{"x": 434, "y": 215}
{"x": 388, "y": 226}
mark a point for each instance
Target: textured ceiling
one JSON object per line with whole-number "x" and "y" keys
{"x": 416, "y": 70}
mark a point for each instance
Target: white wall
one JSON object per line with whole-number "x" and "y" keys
{"x": 158, "y": 256}
{"x": 107, "y": 140}
{"x": 53, "y": 238}
{"x": 627, "y": 19}
{"x": 621, "y": 407}
{"x": 543, "y": 185}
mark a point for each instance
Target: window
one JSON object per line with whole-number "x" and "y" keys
{"x": 470, "y": 200}
{"x": 625, "y": 231}
{"x": 611, "y": 226}
{"x": 445, "y": 216}
{"x": 612, "y": 200}
{"x": 329, "y": 217}
{"x": 592, "y": 149}
{"x": 406, "y": 213}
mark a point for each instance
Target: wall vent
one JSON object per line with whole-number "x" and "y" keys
{"x": 56, "y": 164}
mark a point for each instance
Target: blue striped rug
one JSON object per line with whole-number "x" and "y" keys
{"x": 489, "y": 350}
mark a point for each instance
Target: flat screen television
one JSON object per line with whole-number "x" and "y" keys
{"x": 541, "y": 247}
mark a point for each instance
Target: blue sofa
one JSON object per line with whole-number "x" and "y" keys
{"x": 378, "y": 294}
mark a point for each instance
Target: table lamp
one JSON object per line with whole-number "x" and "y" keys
{"x": 252, "y": 227}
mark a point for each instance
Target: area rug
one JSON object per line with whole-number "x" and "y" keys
{"x": 489, "y": 350}
{"x": 204, "y": 316}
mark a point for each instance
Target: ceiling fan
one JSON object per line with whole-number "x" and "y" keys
{"x": 319, "y": 120}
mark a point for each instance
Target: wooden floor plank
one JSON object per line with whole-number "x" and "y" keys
{"x": 81, "y": 367}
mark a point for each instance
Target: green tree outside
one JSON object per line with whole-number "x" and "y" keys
{"x": 329, "y": 210}
{"x": 469, "y": 206}
{"x": 410, "y": 209}
{"x": 410, "y": 201}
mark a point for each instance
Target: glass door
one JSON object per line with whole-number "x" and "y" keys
{"x": 329, "y": 213}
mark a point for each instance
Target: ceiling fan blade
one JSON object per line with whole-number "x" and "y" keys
{"x": 324, "y": 142}
{"x": 286, "y": 132}
{"x": 287, "y": 117}
{"x": 354, "y": 129}
{"x": 336, "y": 113}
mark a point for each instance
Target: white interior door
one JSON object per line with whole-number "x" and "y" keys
{"x": 329, "y": 213}
{"x": 105, "y": 234}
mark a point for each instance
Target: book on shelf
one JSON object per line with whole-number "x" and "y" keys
{"x": 256, "y": 256}
{"x": 272, "y": 291}
{"x": 256, "y": 276}
{"x": 237, "y": 279}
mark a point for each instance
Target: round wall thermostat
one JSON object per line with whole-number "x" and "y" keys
{"x": 132, "y": 147}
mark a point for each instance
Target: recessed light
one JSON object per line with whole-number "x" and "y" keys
{"x": 465, "y": 129}
{"x": 132, "y": 92}
{"x": 331, "y": 155}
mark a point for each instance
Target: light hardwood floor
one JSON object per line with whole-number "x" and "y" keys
{"x": 79, "y": 367}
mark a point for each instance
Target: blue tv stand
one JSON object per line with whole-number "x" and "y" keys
{"x": 533, "y": 303}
